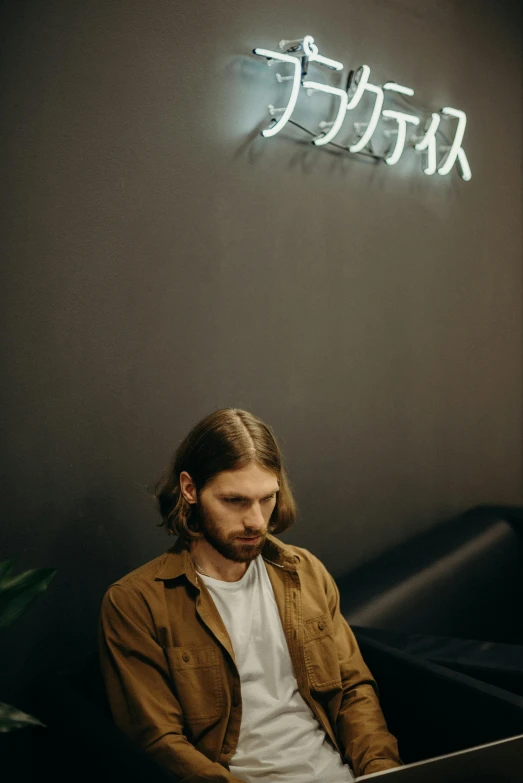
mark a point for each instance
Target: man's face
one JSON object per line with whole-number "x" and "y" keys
{"x": 235, "y": 508}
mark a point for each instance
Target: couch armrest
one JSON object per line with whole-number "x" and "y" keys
{"x": 433, "y": 710}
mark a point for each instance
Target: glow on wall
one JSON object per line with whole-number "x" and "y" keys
{"x": 428, "y": 134}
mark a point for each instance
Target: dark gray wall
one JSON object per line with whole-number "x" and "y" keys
{"x": 162, "y": 260}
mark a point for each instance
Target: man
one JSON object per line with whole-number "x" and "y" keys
{"x": 227, "y": 658}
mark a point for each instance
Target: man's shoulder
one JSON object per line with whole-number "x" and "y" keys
{"x": 304, "y": 558}
{"x": 136, "y": 597}
{"x": 142, "y": 575}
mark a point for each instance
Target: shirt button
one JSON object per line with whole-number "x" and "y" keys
{"x": 226, "y": 749}
{"x": 186, "y": 657}
{"x": 321, "y": 626}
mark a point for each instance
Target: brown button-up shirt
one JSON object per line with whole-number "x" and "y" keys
{"x": 172, "y": 680}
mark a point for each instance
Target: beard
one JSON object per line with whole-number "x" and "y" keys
{"x": 228, "y": 545}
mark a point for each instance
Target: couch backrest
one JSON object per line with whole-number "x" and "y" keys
{"x": 463, "y": 578}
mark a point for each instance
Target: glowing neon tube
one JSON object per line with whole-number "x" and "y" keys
{"x": 272, "y": 130}
{"x": 311, "y": 51}
{"x": 450, "y": 159}
{"x": 428, "y": 142}
{"x": 398, "y": 88}
{"x": 338, "y": 122}
{"x": 402, "y": 119}
{"x": 373, "y": 122}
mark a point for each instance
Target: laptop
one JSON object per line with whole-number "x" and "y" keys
{"x": 495, "y": 762}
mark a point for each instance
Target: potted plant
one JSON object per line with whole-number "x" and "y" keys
{"x": 16, "y": 594}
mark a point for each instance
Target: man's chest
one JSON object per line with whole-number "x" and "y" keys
{"x": 254, "y": 625}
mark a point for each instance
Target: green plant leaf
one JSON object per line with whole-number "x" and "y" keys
{"x": 17, "y": 592}
{"x": 11, "y": 718}
{"x": 6, "y": 566}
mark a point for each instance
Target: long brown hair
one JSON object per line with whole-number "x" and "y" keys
{"x": 228, "y": 439}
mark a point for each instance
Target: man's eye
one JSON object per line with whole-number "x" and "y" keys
{"x": 268, "y": 499}
{"x": 234, "y": 500}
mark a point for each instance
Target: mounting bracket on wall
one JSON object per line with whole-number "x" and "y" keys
{"x": 440, "y": 154}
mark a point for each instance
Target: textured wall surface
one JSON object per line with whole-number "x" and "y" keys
{"x": 161, "y": 259}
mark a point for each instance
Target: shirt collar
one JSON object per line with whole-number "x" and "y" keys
{"x": 177, "y": 560}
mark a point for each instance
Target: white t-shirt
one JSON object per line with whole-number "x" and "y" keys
{"x": 280, "y": 739}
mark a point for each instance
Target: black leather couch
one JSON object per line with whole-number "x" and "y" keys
{"x": 453, "y": 595}
{"x": 433, "y": 710}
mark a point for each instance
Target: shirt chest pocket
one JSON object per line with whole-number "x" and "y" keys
{"x": 321, "y": 655}
{"x": 197, "y": 681}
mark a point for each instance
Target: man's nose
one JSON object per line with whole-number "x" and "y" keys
{"x": 254, "y": 518}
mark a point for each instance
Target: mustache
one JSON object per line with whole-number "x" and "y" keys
{"x": 249, "y": 533}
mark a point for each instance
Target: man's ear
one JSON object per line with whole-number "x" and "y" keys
{"x": 187, "y": 487}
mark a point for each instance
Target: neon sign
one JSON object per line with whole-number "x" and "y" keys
{"x": 439, "y": 154}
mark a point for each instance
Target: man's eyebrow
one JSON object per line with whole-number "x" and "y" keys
{"x": 226, "y": 494}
